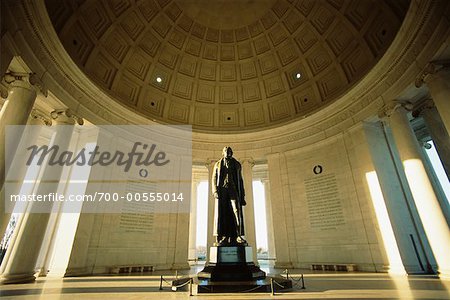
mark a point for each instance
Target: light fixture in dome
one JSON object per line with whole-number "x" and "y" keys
{"x": 298, "y": 75}
{"x": 158, "y": 79}
{"x": 427, "y": 145}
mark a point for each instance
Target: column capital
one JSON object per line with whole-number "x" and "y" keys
{"x": 25, "y": 80}
{"x": 430, "y": 69}
{"x": 41, "y": 116}
{"x": 66, "y": 116}
{"x": 209, "y": 163}
{"x": 394, "y": 106}
{"x": 249, "y": 161}
{"x": 422, "y": 106}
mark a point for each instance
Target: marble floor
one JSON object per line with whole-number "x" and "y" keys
{"x": 319, "y": 285}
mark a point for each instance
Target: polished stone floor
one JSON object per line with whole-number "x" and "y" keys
{"x": 319, "y": 285}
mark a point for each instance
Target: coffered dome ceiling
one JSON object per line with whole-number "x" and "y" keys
{"x": 226, "y": 65}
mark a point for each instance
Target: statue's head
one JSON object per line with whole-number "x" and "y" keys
{"x": 227, "y": 151}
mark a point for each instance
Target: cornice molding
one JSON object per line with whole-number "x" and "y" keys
{"x": 365, "y": 99}
{"x": 66, "y": 116}
{"x": 431, "y": 69}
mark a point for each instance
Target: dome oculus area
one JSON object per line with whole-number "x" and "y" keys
{"x": 226, "y": 65}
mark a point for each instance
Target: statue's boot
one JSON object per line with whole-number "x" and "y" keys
{"x": 241, "y": 241}
{"x": 220, "y": 241}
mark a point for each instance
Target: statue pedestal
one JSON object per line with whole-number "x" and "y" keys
{"x": 231, "y": 269}
{"x": 231, "y": 263}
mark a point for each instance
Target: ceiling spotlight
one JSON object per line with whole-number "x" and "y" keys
{"x": 158, "y": 79}
{"x": 427, "y": 145}
{"x": 298, "y": 75}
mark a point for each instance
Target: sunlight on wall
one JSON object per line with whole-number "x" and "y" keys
{"x": 387, "y": 234}
{"x": 433, "y": 220}
{"x": 202, "y": 213}
{"x": 259, "y": 199}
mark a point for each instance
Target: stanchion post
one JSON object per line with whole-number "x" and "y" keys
{"x": 303, "y": 283}
{"x": 190, "y": 286}
{"x": 176, "y": 274}
{"x": 287, "y": 274}
{"x": 160, "y": 283}
{"x": 272, "y": 287}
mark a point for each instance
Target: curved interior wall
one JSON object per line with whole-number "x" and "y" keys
{"x": 333, "y": 137}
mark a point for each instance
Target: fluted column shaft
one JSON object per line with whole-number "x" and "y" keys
{"x": 427, "y": 204}
{"x": 269, "y": 220}
{"x": 36, "y": 120}
{"x": 15, "y": 111}
{"x": 193, "y": 224}
{"x": 21, "y": 265}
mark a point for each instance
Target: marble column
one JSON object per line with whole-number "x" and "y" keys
{"x": 282, "y": 259}
{"x": 270, "y": 237}
{"x": 36, "y": 120}
{"x": 22, "y": 92}
{"x": 438, "y": 133}
{"x": 181, "y": 242}
{"x": 210, "y": 239}
{"x": 436, "y": 76}
{"x": 402, "y": 235}
{"x": 249, "y": 209}
{"x": 427, "y": 204}
{"x": 21, "y": 265}
{"x": 192, "y": 256}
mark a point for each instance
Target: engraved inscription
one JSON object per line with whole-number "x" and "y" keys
{"x": 324, "y": 204}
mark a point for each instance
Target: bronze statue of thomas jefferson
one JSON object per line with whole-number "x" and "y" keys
{"x": 228, "y": 191}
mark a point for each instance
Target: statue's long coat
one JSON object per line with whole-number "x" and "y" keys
{"x": 224, "y": 221}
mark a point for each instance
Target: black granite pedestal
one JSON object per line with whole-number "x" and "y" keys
{"x": 231, "y": 269}
{"x": 231, "y": 263}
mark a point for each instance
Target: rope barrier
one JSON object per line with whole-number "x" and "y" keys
{"x": 299, "y": 281}
{"x": 273, "y": 282}
{"x": 281, "y": 286}
{"x": 183, "y": 284}
{"x": 271, "y": 287}
{"x": 170, "y": 283}
{"x": 296, "y": 281}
